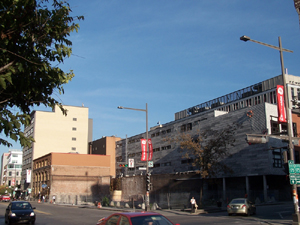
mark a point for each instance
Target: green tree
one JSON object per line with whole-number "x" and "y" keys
{"x": 207, "y": 149}
{"x": 33, "y": 42}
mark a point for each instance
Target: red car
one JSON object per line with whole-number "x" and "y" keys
{"x": 4, "y": 198}
{"x": 136, "y": 218}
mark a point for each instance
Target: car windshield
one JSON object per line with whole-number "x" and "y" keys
{"x": 20, "y": 206}
{"x": 150, "y": 220}
{"x": 238, "y": 201}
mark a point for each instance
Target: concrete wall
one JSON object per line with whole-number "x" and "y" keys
{"x": 244, "y": 159}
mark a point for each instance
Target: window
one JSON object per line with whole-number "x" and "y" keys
{"x": 124, "y": 221}
{"x": 74, "y": 119}
{"x": 274, "y": 127}
{"x": 166, "y": 164}
{"x": 74, "y": 128}
{"x": 189, "y": 126}
{"x": 166, "y": 147}
{"x": 113, "y": 220}
{"x": 277, "y": 158}
{"x": 73, "y": 149}
{"x": 185, "y": 161}
{"x": 183, "y": 128}
{"x": 155, "y": 165}
{"x": 73, "y": 138}
{"x": 156, "y": 149}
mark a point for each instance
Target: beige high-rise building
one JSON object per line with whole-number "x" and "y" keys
{"x": 55, "y": 132}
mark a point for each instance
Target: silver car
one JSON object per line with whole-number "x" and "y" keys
{"x": 241, "y": 206}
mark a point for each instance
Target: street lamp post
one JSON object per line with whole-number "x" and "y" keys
{"x": 147, "y": 167}
{"x": 288, "y": 114}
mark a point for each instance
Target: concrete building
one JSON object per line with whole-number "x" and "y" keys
{"x": 55, "y": 132}
{"x": 12, "y": 167}
{"x": 71, "y": 178}
{"x": 3, "y": 167}
{"x": 258, "y": 170}
{"x": 106, "y": 146}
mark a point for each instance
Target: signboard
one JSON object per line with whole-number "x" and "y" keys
{"x": 131, "y": 163}
{"x": 280, "y": 104}
{"x": 28, "y": 176}
{"x": 295, "y": 179}
{"x": 294, "y": 170}
{"x": 142, "y": 168}
{"x": 150, "y": 163}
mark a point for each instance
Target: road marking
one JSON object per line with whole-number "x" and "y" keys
{"x": 42, "y": 212}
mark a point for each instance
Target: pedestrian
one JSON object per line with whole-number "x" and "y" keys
{"x": 193, "y": 204}
{"x": 53, "y": 198}
{"x": 43, "y": 198}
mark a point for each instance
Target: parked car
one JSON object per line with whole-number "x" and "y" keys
{"x": 136, "y": 218}
{"x": 20, "y": 212}
{"x": 241, "y": 206}
{"x": 4, "y": 198}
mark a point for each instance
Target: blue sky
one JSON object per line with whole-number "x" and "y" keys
{"x": 171, "y": 54}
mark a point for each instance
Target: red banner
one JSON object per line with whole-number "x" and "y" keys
{"x": 144, "y": 150}
{"x": 150, "y": 149}
{"x": 280, "y": 104}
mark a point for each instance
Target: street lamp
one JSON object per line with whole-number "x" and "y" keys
{"x": 288, "y": 115}
{"x": 147, "y": 167}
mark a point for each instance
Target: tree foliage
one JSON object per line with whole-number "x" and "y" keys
{"x": 208, "y": 148}
{"x": 33, "y": 42}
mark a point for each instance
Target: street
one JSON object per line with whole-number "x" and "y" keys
{"x": 49, "y": 214}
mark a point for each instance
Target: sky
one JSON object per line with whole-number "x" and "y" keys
{"x": 172, "y": 55}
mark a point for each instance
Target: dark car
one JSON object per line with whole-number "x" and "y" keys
{"x": 136, "y": 218}
{"x": 19, "y": 212}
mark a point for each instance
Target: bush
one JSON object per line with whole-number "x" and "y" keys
{"x": 105, "y": 201}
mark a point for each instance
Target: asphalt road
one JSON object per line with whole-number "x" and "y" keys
{"x": 49, "y": 214}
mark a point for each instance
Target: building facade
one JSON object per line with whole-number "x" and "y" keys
{"x": 12, "y": 168}
{"x": 71, "y": 178}
{"x": 255, "y": 167}
{"x": 55, "y": 132}
{"x": 3, "y": 167}
{"x": 106, "y": 146}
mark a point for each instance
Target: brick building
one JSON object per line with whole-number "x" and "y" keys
{"x": 72, "y": 178}
{"x": 258, "y": 170}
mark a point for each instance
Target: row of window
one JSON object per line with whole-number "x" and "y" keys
{"x": 41, "y": 164}
{"x": 29, "y": 132}
{"x": 161, "y": 132}
{"x": 119, "y": 159}
{"x": 27, "y": 161}
{"x": 266, "y": 97}
{"x": 27, "y": 151}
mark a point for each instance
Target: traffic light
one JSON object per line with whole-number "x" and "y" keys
{"x": 123, "y": 165}
{"x": 148, "y": 181}
{"x": 148, "y": 177}
{"x": 149, "y": 186}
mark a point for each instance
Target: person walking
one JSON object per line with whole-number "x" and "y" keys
{"x": 53, "y": 198}
{"x": 193, "y": 204}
